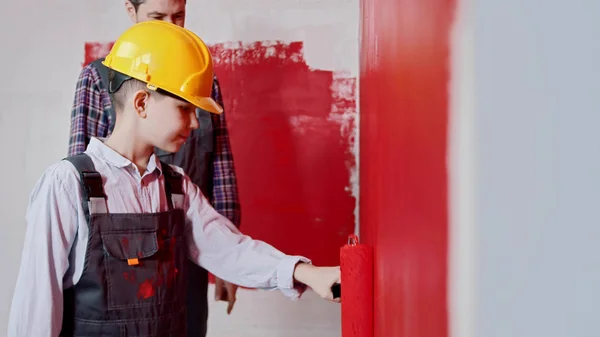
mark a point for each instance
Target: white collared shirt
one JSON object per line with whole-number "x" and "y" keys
{"x": 57, "y": 233}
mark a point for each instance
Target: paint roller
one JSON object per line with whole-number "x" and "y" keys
{"x": 356, "y": 266}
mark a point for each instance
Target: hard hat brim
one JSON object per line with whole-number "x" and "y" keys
{"x": 204, "y": 103}
{"x": 208, "y": 104}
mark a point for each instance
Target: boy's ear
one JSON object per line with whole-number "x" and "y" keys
{"x": 140, "y": 102}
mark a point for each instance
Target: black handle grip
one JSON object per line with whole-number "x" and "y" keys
{"x": 336, "y": 289}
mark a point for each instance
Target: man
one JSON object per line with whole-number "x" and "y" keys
{"x": 206, "y": 157}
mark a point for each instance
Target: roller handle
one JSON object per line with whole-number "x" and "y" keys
{"x": 336, "y": 289}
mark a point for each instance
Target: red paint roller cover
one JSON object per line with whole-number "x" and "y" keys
{"x": 356, "y": 264}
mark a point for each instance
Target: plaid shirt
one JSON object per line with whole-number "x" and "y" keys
{"x": 90, "y": 118}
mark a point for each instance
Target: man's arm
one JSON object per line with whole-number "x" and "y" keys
{"x": 225, "y": 197}
{"x": 89, "y": 114}
{"x": 37, "y": 304}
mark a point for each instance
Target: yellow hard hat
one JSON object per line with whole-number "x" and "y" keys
{"x": 167, "y": 57}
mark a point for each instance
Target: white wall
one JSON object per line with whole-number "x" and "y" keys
{"x": 535, "y": 174}
{"x": 42, "y": 50}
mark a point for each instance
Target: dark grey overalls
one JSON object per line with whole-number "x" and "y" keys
{"x": 136, "y": 266}
{"x": 196, "y": 159}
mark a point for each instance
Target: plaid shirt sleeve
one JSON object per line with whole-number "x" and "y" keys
{"x": 90, "y": 111}
{"x": 225, "y": 194}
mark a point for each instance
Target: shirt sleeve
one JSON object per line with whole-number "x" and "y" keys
{"x": 225, "y": 197}
{"x": 37, "y": 304}
{"x": 217, "y": 245}
{"x": 90, "y": 111}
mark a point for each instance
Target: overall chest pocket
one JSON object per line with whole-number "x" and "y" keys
{"x": 142, "y": 268}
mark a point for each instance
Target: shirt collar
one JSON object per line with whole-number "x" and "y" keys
{"x": 112, "y": 157}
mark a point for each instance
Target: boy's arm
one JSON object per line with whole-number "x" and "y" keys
{"x": 89, "y": 114}
{"x": 217, "y": 245}
{"x": 37, "y": 303}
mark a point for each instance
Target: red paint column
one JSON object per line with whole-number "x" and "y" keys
{"x": 403, "y": 128}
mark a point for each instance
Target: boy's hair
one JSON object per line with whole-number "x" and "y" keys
{"x": 125, "y": 86}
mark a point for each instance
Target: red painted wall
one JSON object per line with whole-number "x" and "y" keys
{"x": 291, "y": 131}
{"x": 292, "y": 153}
{"x": 403, "y": 128}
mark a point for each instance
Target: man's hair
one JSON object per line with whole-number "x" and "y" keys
{"x": 136, "y": 3}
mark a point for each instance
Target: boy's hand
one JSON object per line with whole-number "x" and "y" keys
{"x": 319, "y": 279}
{"x": 225, "y": 291}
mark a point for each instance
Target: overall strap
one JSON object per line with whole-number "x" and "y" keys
{"x": 103, "y": 71}
{"x": 93, "y": 197}
{"x": 173, "y": 186}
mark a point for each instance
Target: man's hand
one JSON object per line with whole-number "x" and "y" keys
{"x": 319, "y": 279}
{"x": 225, "y": 291}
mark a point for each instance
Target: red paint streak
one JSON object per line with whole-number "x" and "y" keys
{"x": 129, "y": 276}
{"x": 125, "y": 242}
{"x": 146, "y": 290}
{"x": 291, "y": 133}
{"x": 171, "y": 270}
{"x": 167, "y": 272}
{"x": 403, "y": 170}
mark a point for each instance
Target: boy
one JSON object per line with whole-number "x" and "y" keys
{"x": 109, "y": 230}
{"x": 206, "y": 157}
